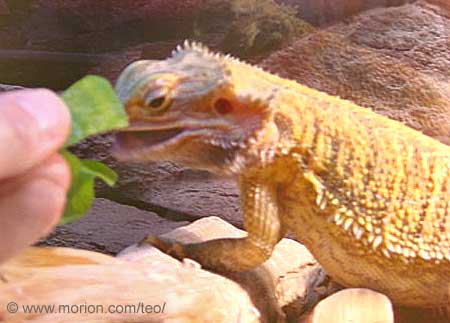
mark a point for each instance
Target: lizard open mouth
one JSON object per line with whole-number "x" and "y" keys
{"x": 141, "y": 141}
{"x": 132, "y": 140}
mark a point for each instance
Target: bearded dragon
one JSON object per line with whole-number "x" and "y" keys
{"x": 368, "y": 196}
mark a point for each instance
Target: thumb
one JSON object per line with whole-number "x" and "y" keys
{"x": 33, "y": 125}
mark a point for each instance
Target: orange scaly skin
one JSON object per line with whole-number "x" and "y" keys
{"x": 368, "y": 196}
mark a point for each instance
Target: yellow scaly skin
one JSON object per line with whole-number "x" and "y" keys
{"x": 368, "y": 196}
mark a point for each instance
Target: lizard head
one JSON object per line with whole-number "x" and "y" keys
{"x": 198, "y": 108}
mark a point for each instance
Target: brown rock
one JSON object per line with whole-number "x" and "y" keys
{"x": 113, "y": 63}
{"x": 104, "y": 26}
{"x": 18, "y": 7}
{"x": 287, "y": 279}
{"x": 395, "y": 61}
{"x": 45, "y": 69}
{"x": 420, "y": 315}
{"x": 353, "y": 305}
{"x": 159, "y": 291}
{"x": 416, "y": 34}
{"x": 443, "y": 6}
{"x": 252, "y": 27}
{"x": 322, "y": 12}
{"x": 109, "y": 227}
{"x": 86, "y": 15}
{"x": 113, "y": 29}
{"x": 4, "y": 10}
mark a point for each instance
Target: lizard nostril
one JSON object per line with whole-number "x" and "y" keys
{"x": 223, "y": 106}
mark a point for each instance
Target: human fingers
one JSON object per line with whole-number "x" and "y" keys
{"x": 31, "y": 204}
{"x": 33, "y": 125}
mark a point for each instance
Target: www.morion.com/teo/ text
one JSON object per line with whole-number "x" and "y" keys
{"x": 85, "y": 308}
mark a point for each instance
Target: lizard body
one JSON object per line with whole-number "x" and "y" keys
{"x": 368, "y": 196}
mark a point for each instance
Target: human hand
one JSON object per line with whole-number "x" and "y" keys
{"x": 34, "y": 179}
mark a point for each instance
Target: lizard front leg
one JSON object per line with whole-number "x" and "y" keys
{"x": 261, "y": 219}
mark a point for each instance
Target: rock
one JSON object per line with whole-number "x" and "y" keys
{"x": 442, "y": 6}
{"x": 415, "y": 34}
{"x": 88, "y": 16}
{"x": 113, "y": 63}
{"x": 287, "y": 280}
{"x": 167, "y": 189}
{"x": 109, "y": 227}
{"x": 35, "y": 257}
{"x": 5, "y": 14}
{"x": 395, "y": 61}
{"x": 19, "y": 6}
{"x": 4, "y": 10}
{"x": 420, "y": 315}
{"x": 353, "y": 305}
{"x": 325, "y": 12}
{"x": 113, "y": 290}
{"x": 104, "y": 26}
{"x": 249, "y": 28}
{"x": 114, "y": 29}
{"x": 45, "y": 69}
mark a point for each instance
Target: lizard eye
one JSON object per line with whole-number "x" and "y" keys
{"x": 223, "y": 106}
{"x": 157, "y": 103}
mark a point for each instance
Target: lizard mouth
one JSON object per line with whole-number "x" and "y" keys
{"x": 141, "y": 141}
{"x": 130, "y": 142}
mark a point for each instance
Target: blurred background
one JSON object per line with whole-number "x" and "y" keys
{"x": 52, "y": 43}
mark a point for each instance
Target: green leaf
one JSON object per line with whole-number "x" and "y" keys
{"x": 94, "y": 107}
{"x": 81, "y": 194}
{"x": 100, "y": 170}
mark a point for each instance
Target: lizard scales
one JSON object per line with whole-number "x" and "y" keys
{"x": 368, "y": 196}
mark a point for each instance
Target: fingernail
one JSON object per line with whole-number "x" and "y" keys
{"x": 49, "y": 112}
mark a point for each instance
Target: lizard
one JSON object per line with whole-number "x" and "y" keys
{"x": 368, "y": 196}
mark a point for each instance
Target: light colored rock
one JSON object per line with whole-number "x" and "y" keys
{"x": 288, "y": 279}
{"x": 97, "y": 287}
{"x": 35, "y": 257}
{"x": 354, "y": 305}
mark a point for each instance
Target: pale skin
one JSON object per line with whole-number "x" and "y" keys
{"x": 34, "y": 179}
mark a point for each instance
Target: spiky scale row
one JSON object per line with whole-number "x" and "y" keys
{"x": 198, "y": 47}
{"x": 193, "y": 46}
{"x": 369, "y": 231}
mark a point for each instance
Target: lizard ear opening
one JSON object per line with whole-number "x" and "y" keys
{"x": 223, "y": 106}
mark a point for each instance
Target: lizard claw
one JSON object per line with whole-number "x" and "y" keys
{"x": 168, "y": 246}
